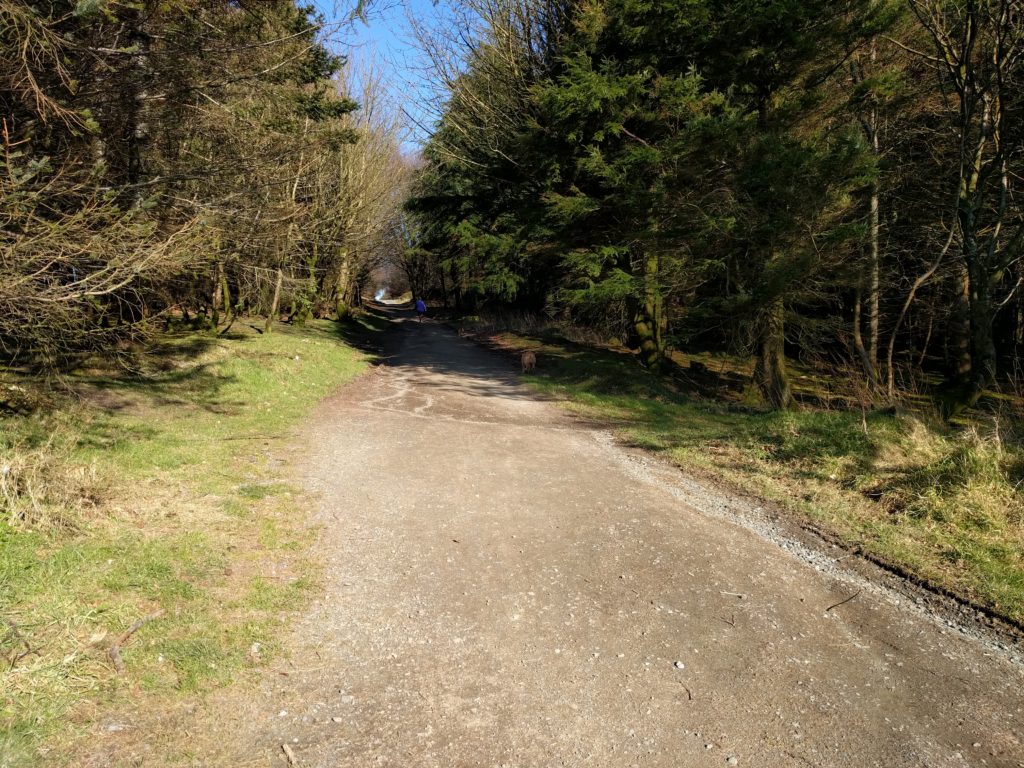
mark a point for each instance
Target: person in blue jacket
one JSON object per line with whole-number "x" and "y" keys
{"x": 421, "y": 309}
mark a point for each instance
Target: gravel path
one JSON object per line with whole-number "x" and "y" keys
{"x": 508, "y": 587}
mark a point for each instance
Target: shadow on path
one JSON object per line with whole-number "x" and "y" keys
{"x": 433, "y": 357}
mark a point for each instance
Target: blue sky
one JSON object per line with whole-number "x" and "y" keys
{"x": 386, "y": 36}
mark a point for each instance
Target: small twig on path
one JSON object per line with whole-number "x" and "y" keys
{"x": 689, "y": 695}
{"x": 843, "y": 602}
{"x": 251, "y": 437}
{"x": 287, "y": 672}
{"x": 801, "y": 758}
{"x": 730, "y": 622}
{"x": 292, "y": 760}
{"x": 115, "y": 649}
{"x": 734, "y": 594}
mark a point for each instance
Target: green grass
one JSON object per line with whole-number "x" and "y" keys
{"x": 247, "y": 388}
{"x": 942, "y": 504}
{"x": 153, "y": 492}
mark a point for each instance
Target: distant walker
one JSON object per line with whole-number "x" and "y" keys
{"x": 529, "y": 361}
{"x": 421, "y": 309}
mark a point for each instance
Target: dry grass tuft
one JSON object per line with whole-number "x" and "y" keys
{"x": 971, "y": 479}
{"x": 41, "y": 487}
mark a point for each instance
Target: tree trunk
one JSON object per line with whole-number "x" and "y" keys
{"x": 976, "y": 356}
{"x": 959, "y": 390}
{"x": 225, "y": 290}
{"x": 456, "y": 288}
{"x": 649, "y": 319}
{"x": 275, "y": 304}
{"x": 218, "y": 294}
{"x": 342, "y": 287}
{"x": 770, "y": 375}
{"x": 983, "y": 348}
{"x": 977, "y": 279}
{"x": 874, "y": 261}
{"x": 868, "y": 280}
{"x": 858, "y": 339}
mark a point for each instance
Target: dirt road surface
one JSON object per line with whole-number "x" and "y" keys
{"x": 505, "y": 586}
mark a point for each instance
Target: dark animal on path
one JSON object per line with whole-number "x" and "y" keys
{"x": 529, "y": 361}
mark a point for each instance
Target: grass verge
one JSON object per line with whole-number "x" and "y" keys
{"x": 154, "y": 495}
{"x": 943, "y": 505}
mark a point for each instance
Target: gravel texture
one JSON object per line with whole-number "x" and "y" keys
{"x": 508, "y": 587}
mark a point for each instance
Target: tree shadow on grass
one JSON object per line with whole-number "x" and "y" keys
{"x": 102, "y": 435}
{"x": 666, "y": 413}
{"x": 198, "y": 386}
{"x": 169, "y": 374}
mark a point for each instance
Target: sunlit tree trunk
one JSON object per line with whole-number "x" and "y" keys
{"x": 275, "y": 304}
{"x": 218, "y": 294}
{"x": 770, "y": 376}
{"x": 343, "y": 285}
{"x": 649, "y": 320}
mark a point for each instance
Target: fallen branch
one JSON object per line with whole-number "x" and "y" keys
{"x": 114, "y": 652}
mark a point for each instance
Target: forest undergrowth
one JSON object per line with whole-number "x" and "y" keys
{"x": 156, "y": 496}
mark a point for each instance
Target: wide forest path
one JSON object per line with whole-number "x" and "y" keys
{"x": 506, "y": 586}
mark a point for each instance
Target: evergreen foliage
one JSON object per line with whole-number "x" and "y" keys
{"x": 762, "y": 175}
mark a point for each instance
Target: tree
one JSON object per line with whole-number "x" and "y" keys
{"x": 169, "y": 159}
{"x": 743, "y": 174}
{"x": 977, "y": 50}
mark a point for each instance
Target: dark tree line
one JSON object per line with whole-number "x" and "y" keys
{"x": 835, "y": 180}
